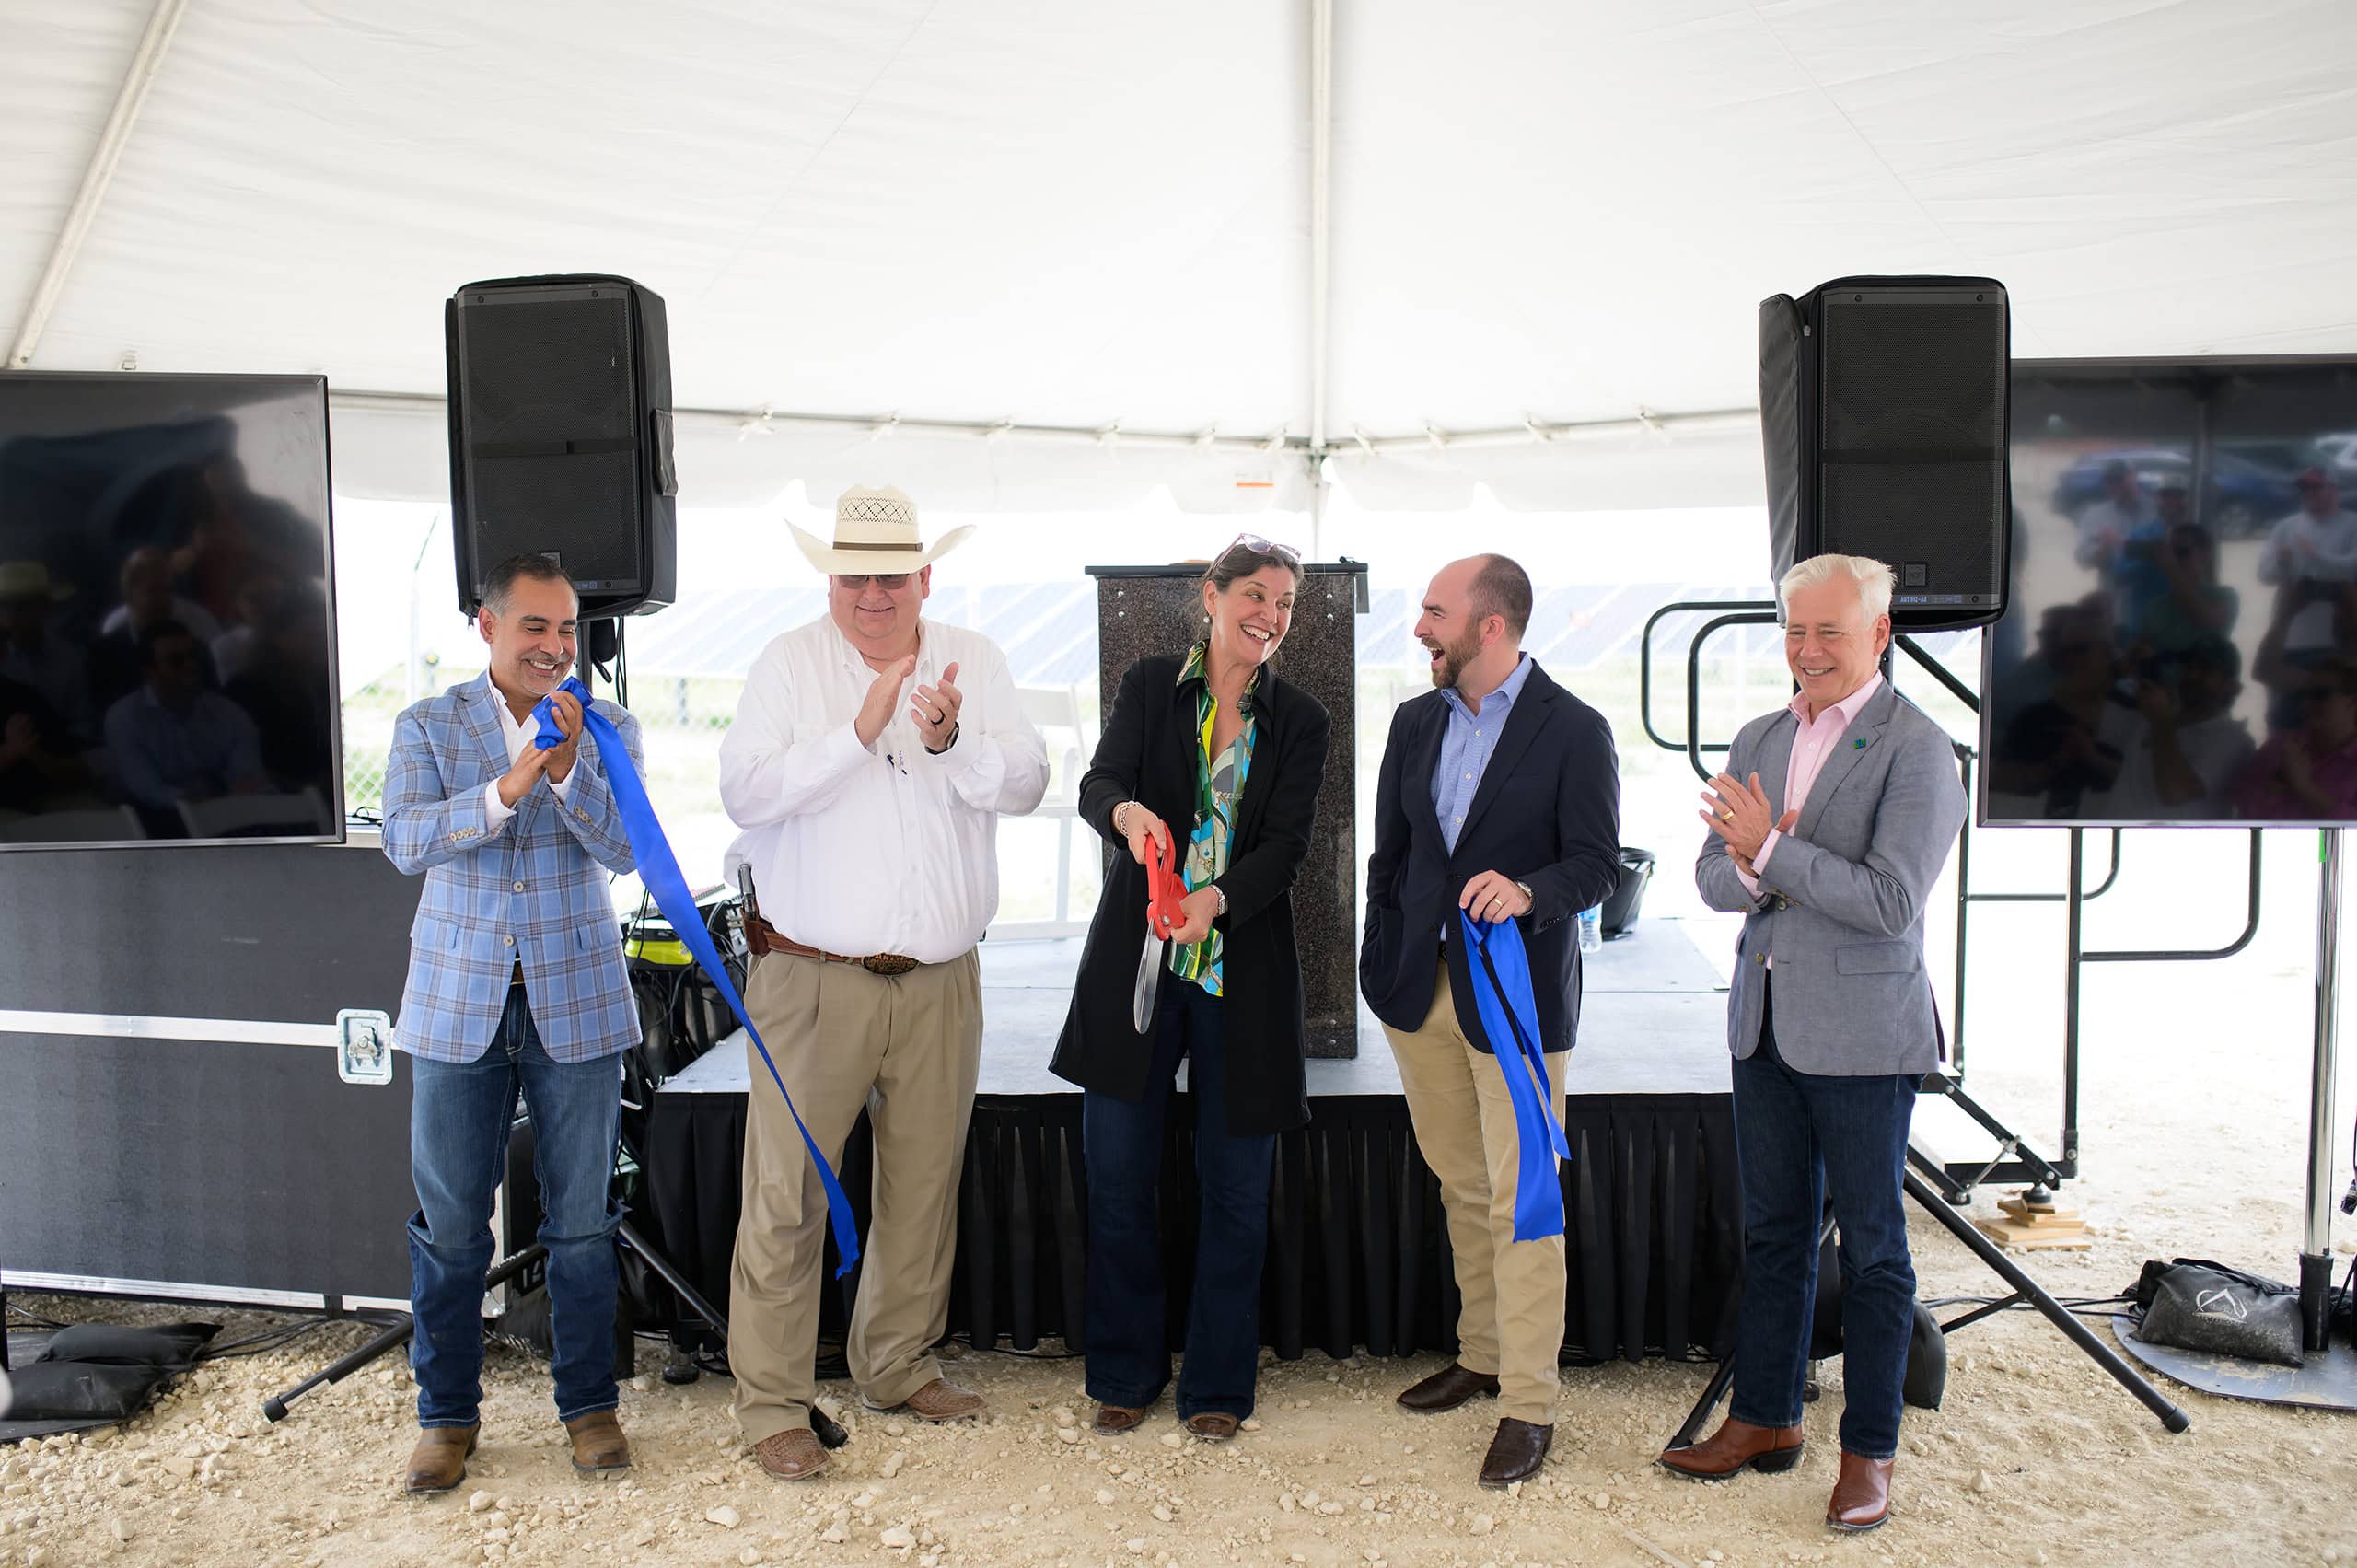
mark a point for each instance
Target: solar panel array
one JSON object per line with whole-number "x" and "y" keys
{"x": 1049, "y": 630}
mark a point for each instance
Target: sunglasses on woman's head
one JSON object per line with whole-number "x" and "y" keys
{"x": 1260, "y": 546}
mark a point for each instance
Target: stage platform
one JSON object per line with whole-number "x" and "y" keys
{"x": 1653, "y": 1020}
{"x": 1358, "y": 1253}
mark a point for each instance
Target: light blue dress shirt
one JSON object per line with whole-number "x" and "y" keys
{"x": 1466, "y": 748}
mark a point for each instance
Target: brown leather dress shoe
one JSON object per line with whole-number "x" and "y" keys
{"x": 439, "y": 1460}
{"x": 938, "y": 1401}
{"x": 1861, "y": 1494}
{"x": 1113, "y": 1419}
{"x": 1735, "y": 1445}
{"x": 1447, "y": 1389}
{"x": 1515, "y": 1453}
{"x": 598, "y": 1446}
{"x": 1212, "y": 1426}
{"x": 795, "y": 1454}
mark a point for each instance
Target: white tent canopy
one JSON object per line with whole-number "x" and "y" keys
{"x": 1531, "y": 239}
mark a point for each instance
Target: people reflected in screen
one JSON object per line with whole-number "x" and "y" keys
{"x": 36, "y": 652}
{"x": 40, "y": 768}
{"x": 2070, "y": 743}
{"x": 175, "y": 740}
{"x": 2191, "y": 747}
{"x": 2196, "y": 607}
{"x": 2204, "y": 512}
{"x": 157, "y": 535}
{"x": 284, "y": 686}
{"x": 2308, "y": 771}
{"x": 2310, "y": 558}
{"x": 118, "y": 659}
{"x": 2108, "y": 523}
{"x": 2119, "y": 537}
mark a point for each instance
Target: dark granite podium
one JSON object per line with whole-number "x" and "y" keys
{"x": 1158, "y": 610}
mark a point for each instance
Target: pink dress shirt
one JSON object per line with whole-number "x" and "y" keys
{"x": 1811, "y": 745}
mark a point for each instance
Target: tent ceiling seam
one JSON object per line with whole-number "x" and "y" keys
{"x": 1530, "y": 431}
{"x": 140, "y": 76}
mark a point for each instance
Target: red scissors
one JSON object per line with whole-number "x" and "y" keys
{"x": 1165, "y": 891}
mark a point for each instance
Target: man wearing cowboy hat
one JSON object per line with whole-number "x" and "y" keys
{"x": 872, "y": 755}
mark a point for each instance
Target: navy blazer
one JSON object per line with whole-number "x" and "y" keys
{"x": 1548, "y": 813}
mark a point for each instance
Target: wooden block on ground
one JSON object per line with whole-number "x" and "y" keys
{"x": 2050, "y": 1214}
{"x": 2032, "y": 1237}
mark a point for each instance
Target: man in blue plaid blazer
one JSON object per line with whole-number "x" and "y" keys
{"x": 516, "y": 988}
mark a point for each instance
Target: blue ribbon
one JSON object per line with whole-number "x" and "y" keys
{"x": 659, "y": 868}
{"x": 1501, "y": 995}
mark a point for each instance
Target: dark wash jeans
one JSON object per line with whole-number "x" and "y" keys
{"x": 460, "y": 1114}
{"x": 1800, "y": 1136}
{"x": 1128, "y": 1345}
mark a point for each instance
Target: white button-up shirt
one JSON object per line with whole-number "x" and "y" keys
{"x": 512, "y": 730}
{"x": 882, "y": 849}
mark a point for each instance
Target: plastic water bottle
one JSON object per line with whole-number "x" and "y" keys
{"x": 1591, "y": 929}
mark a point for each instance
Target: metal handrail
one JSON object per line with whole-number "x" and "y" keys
{"x": 1646, "y": 663}
{"x": 1693, "y": 747}
{"x": 2190, "y": 954}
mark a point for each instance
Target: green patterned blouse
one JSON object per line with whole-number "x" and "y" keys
{"x": 1219, "y": 784}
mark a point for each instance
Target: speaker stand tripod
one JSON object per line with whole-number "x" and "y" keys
{"x": 2024, "y": 1289}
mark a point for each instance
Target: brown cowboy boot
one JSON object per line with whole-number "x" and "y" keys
{"x": 439, "y": 1460}
{"x": 1447, "y": 1389}
{"x": 795, "y": 1454}
{"x": 598, "y": 1446}
{"x": 1734, "y": 1447}
{"x": 1861, "y": 1497}
{"x": 1515, "y": 1453}
{"x": 938, "y": 1401}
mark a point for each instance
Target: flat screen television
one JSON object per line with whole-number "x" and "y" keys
{"x": 2180, "y": 645}
{"x": 167, "y": 612}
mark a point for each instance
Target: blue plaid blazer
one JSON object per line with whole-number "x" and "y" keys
{"x": 535, "y": 890}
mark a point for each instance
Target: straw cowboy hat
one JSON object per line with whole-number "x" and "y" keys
{"x": 30, "y": 579}
{"x": 876, "y": 531}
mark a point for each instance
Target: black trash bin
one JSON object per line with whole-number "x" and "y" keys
{"x": 1620, "y": 910}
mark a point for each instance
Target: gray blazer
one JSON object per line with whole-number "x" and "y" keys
{"x": 1842, "y": 902}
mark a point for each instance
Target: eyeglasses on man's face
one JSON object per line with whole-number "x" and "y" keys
{"x": 891, "y": 582}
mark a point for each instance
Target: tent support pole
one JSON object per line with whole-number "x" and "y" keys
{"x": 96, "y": 177}
{"x": 2316, "y": 1242}
{"x": 1321, "y": 168}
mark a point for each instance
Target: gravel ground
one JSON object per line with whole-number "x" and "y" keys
{"x": 2035, "y": 1459}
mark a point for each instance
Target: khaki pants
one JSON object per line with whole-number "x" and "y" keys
{"x": 1510, "y": 1321}
{"x": 906, "y": 1049}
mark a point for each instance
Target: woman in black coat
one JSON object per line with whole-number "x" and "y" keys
{"x": 1213, "y": 755}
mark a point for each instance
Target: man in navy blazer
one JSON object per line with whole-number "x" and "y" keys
{"x": 1499, "y": 799}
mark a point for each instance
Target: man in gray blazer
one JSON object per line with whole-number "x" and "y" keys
{"x": 1830, "y": 1019}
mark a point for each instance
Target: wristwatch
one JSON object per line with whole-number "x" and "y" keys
{"x": 1528, "y": 894}
{"x": 1219, "y": 893}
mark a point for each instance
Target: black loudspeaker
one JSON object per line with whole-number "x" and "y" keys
{"x": 1883, "y": 413}
{"x": 561, "y": 437}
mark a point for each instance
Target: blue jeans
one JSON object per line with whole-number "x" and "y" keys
{"x": 1798, "y": 1137}
{"x": 460, "y": 1114}
{"x": 1129, "y": 1343}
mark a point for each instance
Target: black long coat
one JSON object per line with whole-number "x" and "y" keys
{"x": 1148, "y": 754}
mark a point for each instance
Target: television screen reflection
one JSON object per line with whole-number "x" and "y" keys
{"x": 167, "y": 630}
{"x": 2180, "y": 645}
